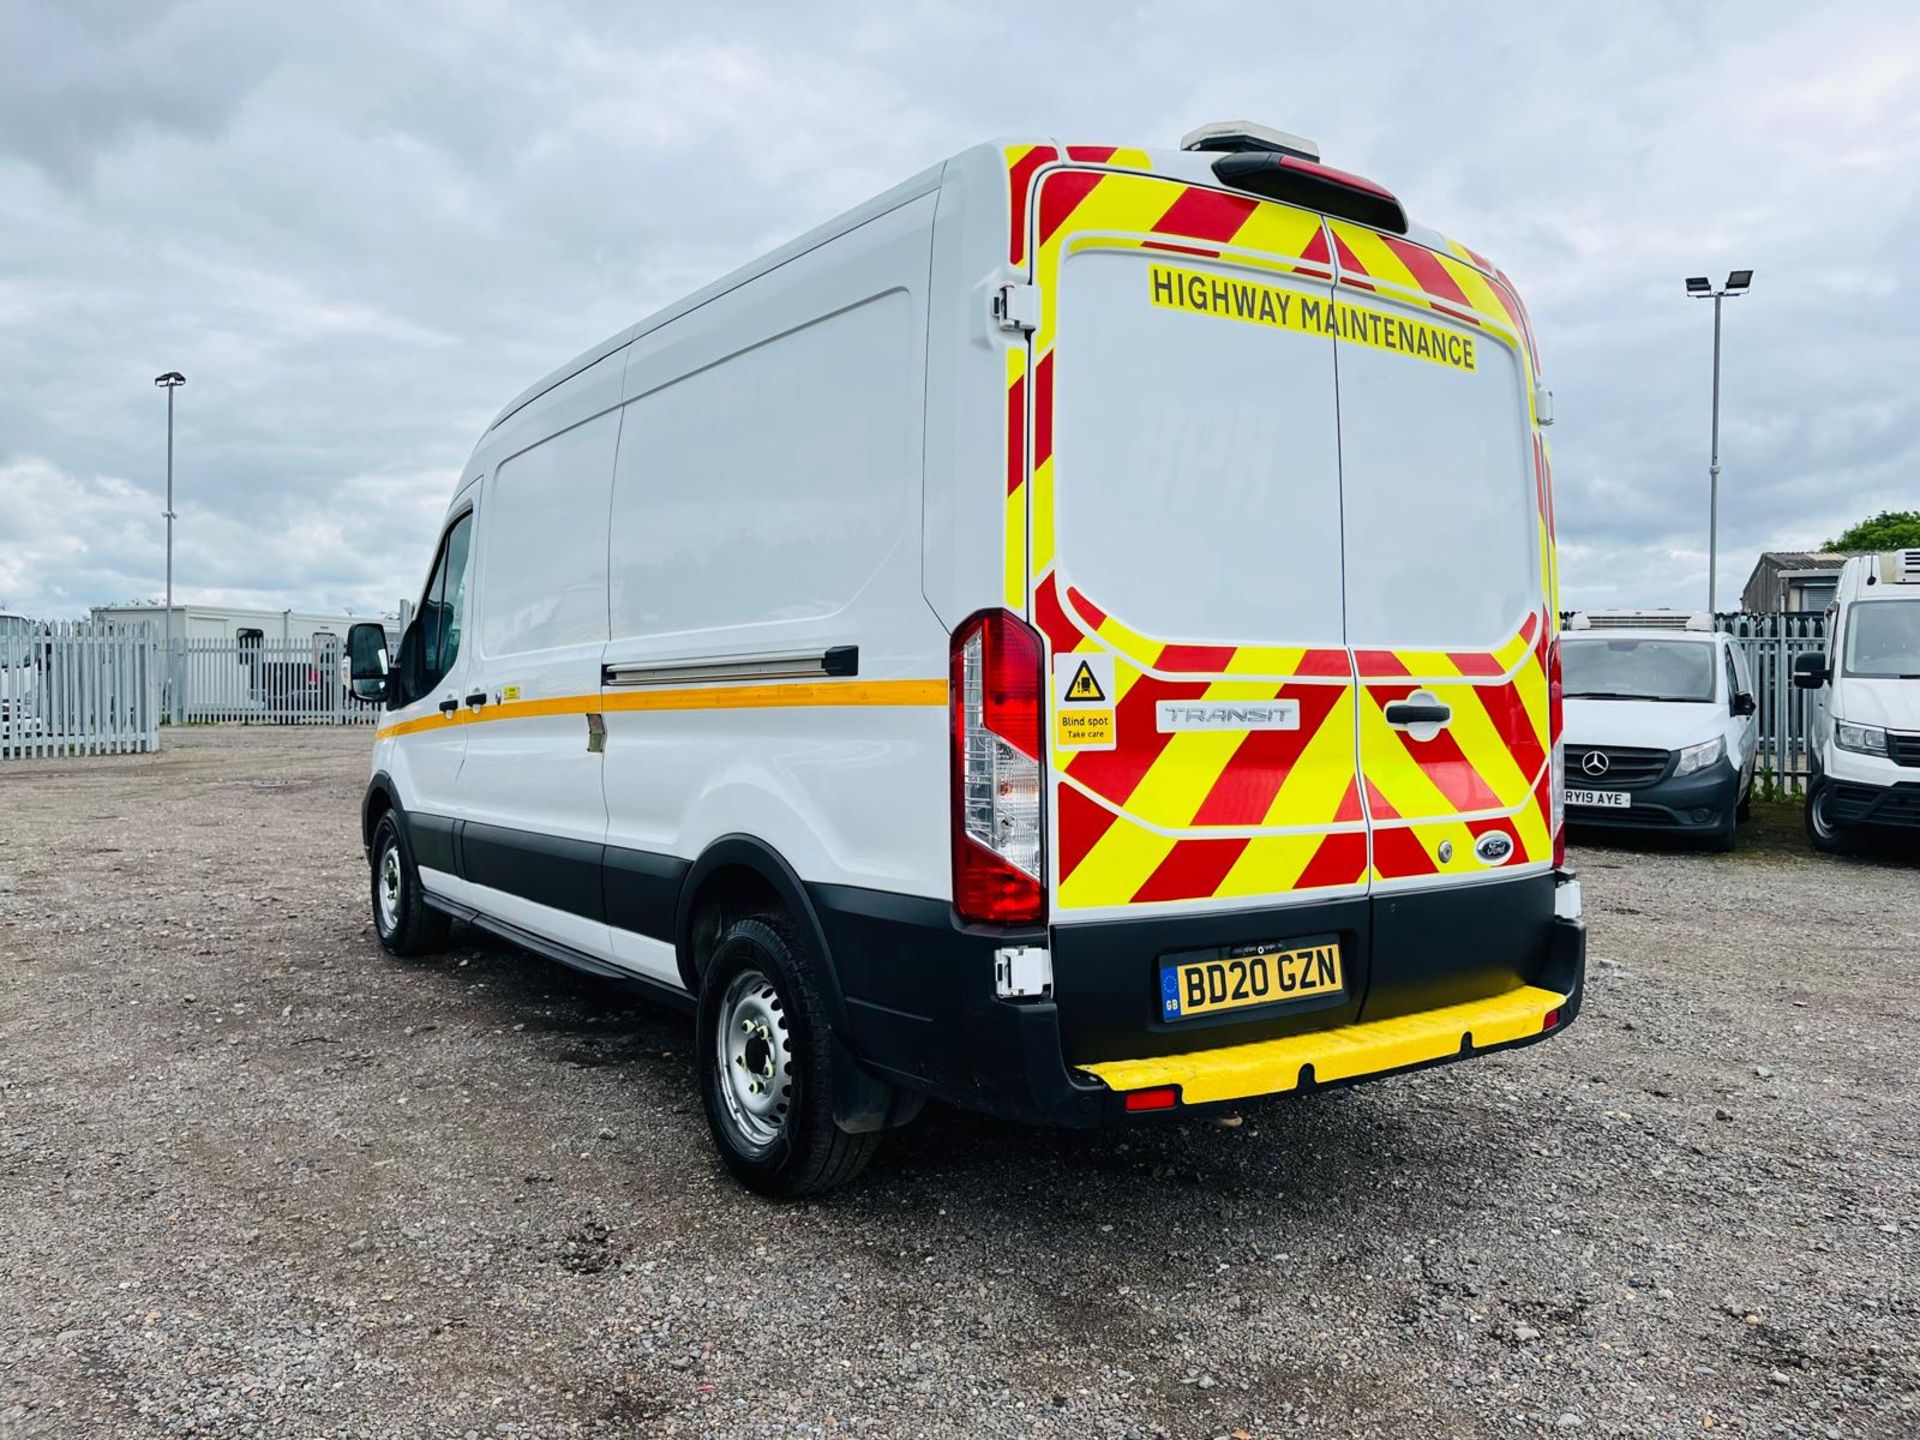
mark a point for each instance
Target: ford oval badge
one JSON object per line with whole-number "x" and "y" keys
{"x": 1493, "y": 847}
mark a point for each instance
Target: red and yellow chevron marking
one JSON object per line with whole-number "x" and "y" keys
{"x": 1224, "y": 814}
{"x": 1487, "y": 770}
{"x": 1392, "y": 266}
{"x": 1274, "y": 811}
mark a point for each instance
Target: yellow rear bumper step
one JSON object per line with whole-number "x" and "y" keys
{"x": 1266, "y": 1067}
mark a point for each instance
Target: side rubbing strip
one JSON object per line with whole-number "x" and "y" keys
{"x": 432, "y": 839}
{"x": 546, "y": 869}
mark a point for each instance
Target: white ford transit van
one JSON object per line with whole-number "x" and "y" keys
{"x": 1073, "y": 636}
{"x": 1864, "y": 726}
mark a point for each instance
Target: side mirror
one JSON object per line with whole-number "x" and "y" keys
{"x": 1743, "y": 704}
{"x": 367, "y": 662}
{"x": 1810, "y": 670}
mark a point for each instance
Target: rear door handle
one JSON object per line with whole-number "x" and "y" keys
{"x": 1402, "y": 713}
{"x": 477, "y": 699}
{"x": 449, "y": 705}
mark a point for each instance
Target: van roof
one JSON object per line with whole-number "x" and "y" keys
{"x": 901, "y": 194}
{"x": 1192, "y": 166}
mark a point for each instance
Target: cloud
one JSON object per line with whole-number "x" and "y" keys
{"x": 360, "y": 229}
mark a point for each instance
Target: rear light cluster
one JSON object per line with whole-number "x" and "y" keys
{"x": 999, "y": 850}
{"x": 1557, "y": 778}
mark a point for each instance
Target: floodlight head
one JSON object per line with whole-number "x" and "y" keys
{"x": 1698, "y": 285}
{"x": 170, "y": 379}
{"x": 1739, "y": 279}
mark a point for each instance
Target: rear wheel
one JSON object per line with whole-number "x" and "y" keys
{"x": 766, "y": 1067}
{"x": 1829, "y": 836}
{"x": 406, "y": 924}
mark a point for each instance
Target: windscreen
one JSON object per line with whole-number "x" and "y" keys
{"x": 1196, "y": 461}
{"x": 1637, "y": 669}
{"x": 1883, "y": 639}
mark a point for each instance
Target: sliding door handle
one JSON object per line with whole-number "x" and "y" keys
{"x": 449, "y": 705}
{"x": 477, "y": 699}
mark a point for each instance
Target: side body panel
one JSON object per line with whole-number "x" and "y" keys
{"x": 767, "y": 504}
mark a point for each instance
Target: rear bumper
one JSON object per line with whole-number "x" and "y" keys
{"x": 1700, "y": 802}
{"x": 1350, "y": 1052}
{"x": 922, "y": 1011}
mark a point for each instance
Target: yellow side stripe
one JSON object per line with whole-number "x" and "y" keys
{"x": 802, "y": 695}
{"x": 1267, "y": 1067}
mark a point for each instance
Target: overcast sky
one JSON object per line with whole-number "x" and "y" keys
{"x": 361, "y": 229}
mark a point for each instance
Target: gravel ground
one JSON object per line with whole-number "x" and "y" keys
{"x": 258, "y": 1178}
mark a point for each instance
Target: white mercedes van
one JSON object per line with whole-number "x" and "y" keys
{"x": 1017, "y": 644}
{"x": 1863, "y": 731}
{"x": 1660, "y": 728}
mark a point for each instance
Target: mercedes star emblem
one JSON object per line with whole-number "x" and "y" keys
{"x": 1594, "y": 763}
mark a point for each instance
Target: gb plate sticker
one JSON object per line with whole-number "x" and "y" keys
{"x": 1083, "y": 697}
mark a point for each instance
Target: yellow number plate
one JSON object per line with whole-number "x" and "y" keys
{"x": 1232, "y": 982}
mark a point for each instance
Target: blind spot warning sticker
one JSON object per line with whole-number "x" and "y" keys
{"x": 1084, "y": 687}
{"x": 1083, "y": 702}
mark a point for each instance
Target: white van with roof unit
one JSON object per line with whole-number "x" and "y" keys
{"x": 1863, "y": 732}
{"x": 1073, "y": 636}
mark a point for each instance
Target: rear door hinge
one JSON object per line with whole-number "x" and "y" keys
{"x": 1017, "y": 307}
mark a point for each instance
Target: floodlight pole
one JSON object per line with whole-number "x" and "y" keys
{"x": 1701, "y": 288}
{"x": 1713, "y": 474}
{"x": 170, "y": 382}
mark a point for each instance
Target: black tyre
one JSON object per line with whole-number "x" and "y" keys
{"x": 406, "y": 924}
{"x": 1743, "y": 812}
{"x": 766, "y": 1066}
{"x": 1829, "y": 836}
{"x": 1721, "y": 841}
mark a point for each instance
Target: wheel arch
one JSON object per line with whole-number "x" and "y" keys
{"x": 382, "y": 795}
{"x": 737, "y": 875}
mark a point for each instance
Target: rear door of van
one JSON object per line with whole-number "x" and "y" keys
{"x": 1449, "y": 561}
{"x": 1284, "y": 540}
{"x": 1183, "y": 518}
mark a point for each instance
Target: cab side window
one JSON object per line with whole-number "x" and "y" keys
{"x": 1734, "y": 686}
{"x": 441, "y": 602}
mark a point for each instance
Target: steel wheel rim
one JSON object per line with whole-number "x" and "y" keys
{"x": 386, "y": 889}
{"x": 754, "y": 1052}
{"x": 1822, "y": 826}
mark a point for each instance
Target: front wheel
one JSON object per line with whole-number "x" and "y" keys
{"x": 766, "y": 1067}
{"x": 406, "y": 924}
{"x": 1829, "y": 836}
